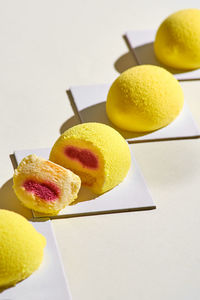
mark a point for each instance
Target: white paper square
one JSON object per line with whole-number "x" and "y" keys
{"x": 91, "y": 107}
{"x": 141, "y": 44}
{"x": 132, "y": 194}
{"x": 46, "y": 283}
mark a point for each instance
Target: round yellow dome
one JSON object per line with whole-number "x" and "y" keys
{"x": 144, "y": 98}
{"x": 21, "y": 248}
{"x": 94, "y": 151}
{"x": 177, "y": 42}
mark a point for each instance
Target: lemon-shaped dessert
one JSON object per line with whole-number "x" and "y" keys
{"x": 144, "y": 98}
{"x": 21, "y": 248}
{"x": 177, "y": 42}
{"x": 94, "y": 151}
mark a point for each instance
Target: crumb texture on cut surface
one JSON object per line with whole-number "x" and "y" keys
{"x": 43, "y": 186}
{"x": 177, "y": 42}
{"x": 21, "y": 248}
{"x": 144, "y": 98}
{"x": 107, "y": 149}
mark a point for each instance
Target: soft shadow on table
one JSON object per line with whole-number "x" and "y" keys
{"x": 84, "y": 195}
{"x": 145, "y": 55}
{"x": 9, "y": 201}
{"x": 68, "y": 124}
{"x": 75, "y": 120}
{"x": 126, "y": 61}
{"x": 97, "y": 113}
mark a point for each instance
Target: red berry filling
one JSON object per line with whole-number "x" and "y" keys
{"x": 47, "y": 191}
{"x": 84, "y": 156}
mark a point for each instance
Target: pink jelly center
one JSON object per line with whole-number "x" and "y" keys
{"x": 84, "y": 156}
{"x": 47, "y": 191}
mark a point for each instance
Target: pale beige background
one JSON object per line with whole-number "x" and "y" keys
{"x": 46, "y": 46}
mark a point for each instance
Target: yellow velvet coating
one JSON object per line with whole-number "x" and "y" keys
{"x": 42, "y": 171}
{"x": 21, "y": 248}
{"x": 106, "y": 144}
{"x": 177, "y": 42}
{"x": 144, "y": 98}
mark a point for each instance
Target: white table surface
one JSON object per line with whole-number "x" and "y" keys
{"x": 48, "y": 46}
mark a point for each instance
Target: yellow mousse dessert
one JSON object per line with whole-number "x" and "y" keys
{"x": 44, "y": 186}
{"x": 96, "y": 152}
{"x": 177, "y": 42}
{"x": 21, "y": 248}
{"x": 144, "y": 98}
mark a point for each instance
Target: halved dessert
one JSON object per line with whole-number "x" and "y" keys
{"x": 43, "y": 186}
{"x": 95, "y": 152}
